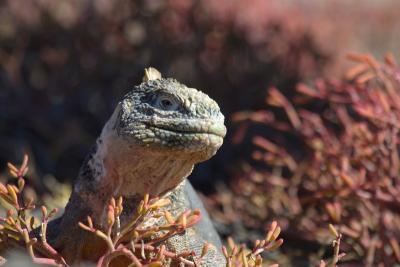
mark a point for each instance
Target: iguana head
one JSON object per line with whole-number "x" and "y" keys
{"x": 165, "y": 115}
{"x": 156, "y": 134}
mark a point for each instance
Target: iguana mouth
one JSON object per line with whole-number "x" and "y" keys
{"x": 215, "y": 129}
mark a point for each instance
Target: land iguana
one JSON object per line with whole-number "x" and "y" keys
{"x": 155, "y": 136}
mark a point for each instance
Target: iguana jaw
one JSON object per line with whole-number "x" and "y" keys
{"x": 193, "y": 128}
{"x": 193, "y": 136}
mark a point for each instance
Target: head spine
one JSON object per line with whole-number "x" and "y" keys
{"x": 151, "y": 74}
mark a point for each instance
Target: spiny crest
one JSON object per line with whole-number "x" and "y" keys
{"x": 153, "y": 79}
{"x": 151, "y": 74}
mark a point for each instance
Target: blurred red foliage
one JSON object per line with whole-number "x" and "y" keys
{"x": 334, "y": 158}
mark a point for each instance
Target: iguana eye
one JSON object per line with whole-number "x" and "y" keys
{"x": 167, "y": 102}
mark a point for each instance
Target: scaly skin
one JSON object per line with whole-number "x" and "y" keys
{"x": 156, "y": 135}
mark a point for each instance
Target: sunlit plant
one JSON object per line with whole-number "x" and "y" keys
{"x": 136, "y": 242}
{"x": 329, "y": 153}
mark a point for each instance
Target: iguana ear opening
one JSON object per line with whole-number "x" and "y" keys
{"x": 151, "y": 74}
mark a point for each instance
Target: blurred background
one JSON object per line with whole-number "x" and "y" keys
{"x": 65, "y": 64}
